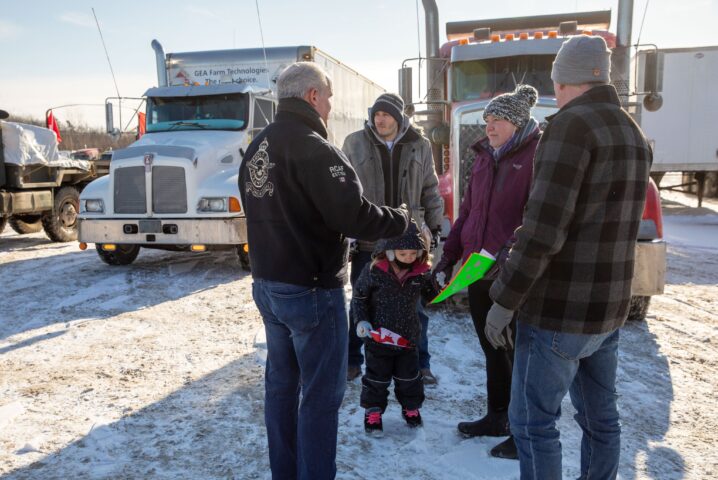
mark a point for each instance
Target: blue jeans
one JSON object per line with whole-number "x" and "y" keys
{"x": 547, "y": 365}
{"x": 305, "y": 376}
{"x": 355, "y": 343}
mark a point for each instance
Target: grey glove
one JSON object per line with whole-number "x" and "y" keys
{"x": 498, "y": 326}
{"x": 363, "y": 329}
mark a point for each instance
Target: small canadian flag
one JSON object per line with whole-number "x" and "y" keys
{"x": 389, "y": 338}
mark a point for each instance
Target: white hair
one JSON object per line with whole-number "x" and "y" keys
{"x": 300, "y": 77}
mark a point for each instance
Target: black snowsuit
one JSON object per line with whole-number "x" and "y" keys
{"x": 383, "y": 300}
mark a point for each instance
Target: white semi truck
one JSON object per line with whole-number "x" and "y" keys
{"x": 176, "y": 187}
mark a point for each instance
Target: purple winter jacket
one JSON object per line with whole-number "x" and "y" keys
{"x": 494, "y": 200}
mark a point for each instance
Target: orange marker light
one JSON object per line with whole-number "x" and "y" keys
{"x": 83, "y": 246}
{"x": 553, "y": 34}
{"x": 198, "y": 248}
{"x": 524, "y": 36}
{"x": 234, "y": 205}
{"x": 538, "y": 35}
{"x": 109, "y": 247}
{"x": 495, "y": 37}
{"x": 509, "y": 37}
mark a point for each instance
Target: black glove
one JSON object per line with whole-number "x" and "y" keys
{"x": 441, "y": 276}
{"x": 435, "y": 239}
{"x": 353, "y": 249}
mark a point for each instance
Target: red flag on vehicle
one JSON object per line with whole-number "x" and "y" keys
{"x": 51, "y": 123}
{"x": 390, "y": 338}
{"x": 141, "y": 125}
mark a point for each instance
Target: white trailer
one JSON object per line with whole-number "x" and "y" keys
{"x": 176, "y": 187}
{"x": 683, "y": 131}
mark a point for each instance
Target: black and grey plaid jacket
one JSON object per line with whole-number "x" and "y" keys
{"x": 571, "y": 267}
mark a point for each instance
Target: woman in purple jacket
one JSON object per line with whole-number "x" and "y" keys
{"x": 490, "y": 212}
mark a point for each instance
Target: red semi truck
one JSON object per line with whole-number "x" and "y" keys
{"x": 483, "y": 59}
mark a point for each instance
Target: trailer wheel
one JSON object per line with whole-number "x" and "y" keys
{"x": 638, "y": 308}
{"x": 61, "y": 223}
{"x": 123, "y": 255}
{"x": 26, "y": 223}
{"x": 3, "y": 222}
{"x": 243, "y": 258}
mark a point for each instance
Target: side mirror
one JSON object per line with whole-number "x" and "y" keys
{"x": 4, "y": 115}
{"x": 652, "y": 80}
{"x": 109, "y": 119}
{"x": 405, "y": 84}
{"x": 652, "y": 102}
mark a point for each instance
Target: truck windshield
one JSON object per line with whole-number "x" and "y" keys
{"x": 484, "y": 79}
{"x": 208, "y": 112}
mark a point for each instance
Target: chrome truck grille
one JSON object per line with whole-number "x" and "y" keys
{"x": 130, "y": 190}
{"x": 169, "y": 190}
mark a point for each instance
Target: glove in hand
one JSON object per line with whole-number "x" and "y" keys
{"x": 498, "y": 326}
{"x": 442, "y": 273}
{"x": 363, "y": 329}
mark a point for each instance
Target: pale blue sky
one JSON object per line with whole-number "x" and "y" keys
{"x": 52, "y": 55}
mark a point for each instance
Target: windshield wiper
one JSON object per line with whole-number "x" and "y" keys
{"x": 184, "y": 123}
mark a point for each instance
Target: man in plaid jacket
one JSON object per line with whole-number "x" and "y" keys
{"x": 569, "y": 273}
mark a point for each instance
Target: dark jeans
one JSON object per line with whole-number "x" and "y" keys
{"x": 306, "y": 358}
{"x": 499, "y": 362}
{"x": 547, "y": 365}
{"x": 355, "y": 343}
{"x": 383, "y": 364}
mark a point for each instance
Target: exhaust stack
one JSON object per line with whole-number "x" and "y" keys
{"x": 161, "y": 65}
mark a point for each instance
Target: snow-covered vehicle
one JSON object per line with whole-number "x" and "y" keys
{"x": 39, "y": 185}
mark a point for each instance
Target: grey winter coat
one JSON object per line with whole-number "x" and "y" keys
{"x": 417, "y": 181}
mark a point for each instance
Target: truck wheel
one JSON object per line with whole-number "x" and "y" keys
{"x": 3, "y": 222}
{"x": 26, "y": 223}
{"x": 61, "y": 223}
{"x": 639, "y": 308}
{"x": 123, "y": 255}
{"x": 243, "y": 258}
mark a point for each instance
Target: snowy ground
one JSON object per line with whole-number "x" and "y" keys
{"x": 154, "y": 371}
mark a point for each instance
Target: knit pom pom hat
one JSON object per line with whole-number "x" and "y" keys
{"x": 514, "y": 107}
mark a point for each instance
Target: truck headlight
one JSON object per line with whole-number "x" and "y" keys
{"x": 212, "y": 204}
{"x": 93, "y": 205}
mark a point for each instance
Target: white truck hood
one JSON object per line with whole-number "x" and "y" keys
{"x": 199, "y": 145}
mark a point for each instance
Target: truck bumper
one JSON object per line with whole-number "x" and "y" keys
{"x": 206, "y": 231}
{"x": 649, "y": 272}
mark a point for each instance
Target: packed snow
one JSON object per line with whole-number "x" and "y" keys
{"x": 155, "y": 370}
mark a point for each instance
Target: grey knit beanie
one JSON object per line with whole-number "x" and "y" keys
{"x": 390, "y": 103}
{"x": 582, "y": 59}
{"x": 514, "y": 107}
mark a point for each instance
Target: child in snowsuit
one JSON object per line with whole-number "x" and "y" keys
{"x": 385, "y": 298}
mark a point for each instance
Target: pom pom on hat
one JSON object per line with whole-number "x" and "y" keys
{"x": 514, "y": 107}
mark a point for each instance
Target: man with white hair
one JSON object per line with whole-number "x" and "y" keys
{"x": 302, "y": 200}
{"x": 569, "y": 272}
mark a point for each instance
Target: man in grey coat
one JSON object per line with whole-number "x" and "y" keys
{"x": 569, "y": 273}
{"x": 395, "y": 165}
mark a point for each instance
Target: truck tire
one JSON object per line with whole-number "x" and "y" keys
{"x": 123, "y": 255}
{"x": 3, "y": 222}
{"x": 243, "y": 258}
{"x": 638, "y": 308}
{"x": 61, "y": 223}
{"x": 23, "y": 224}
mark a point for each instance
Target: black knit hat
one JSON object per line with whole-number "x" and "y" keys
{"x": 514, "y": 107}
{"x": 411, "y": 239}
{"x": 390, "y": 103}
